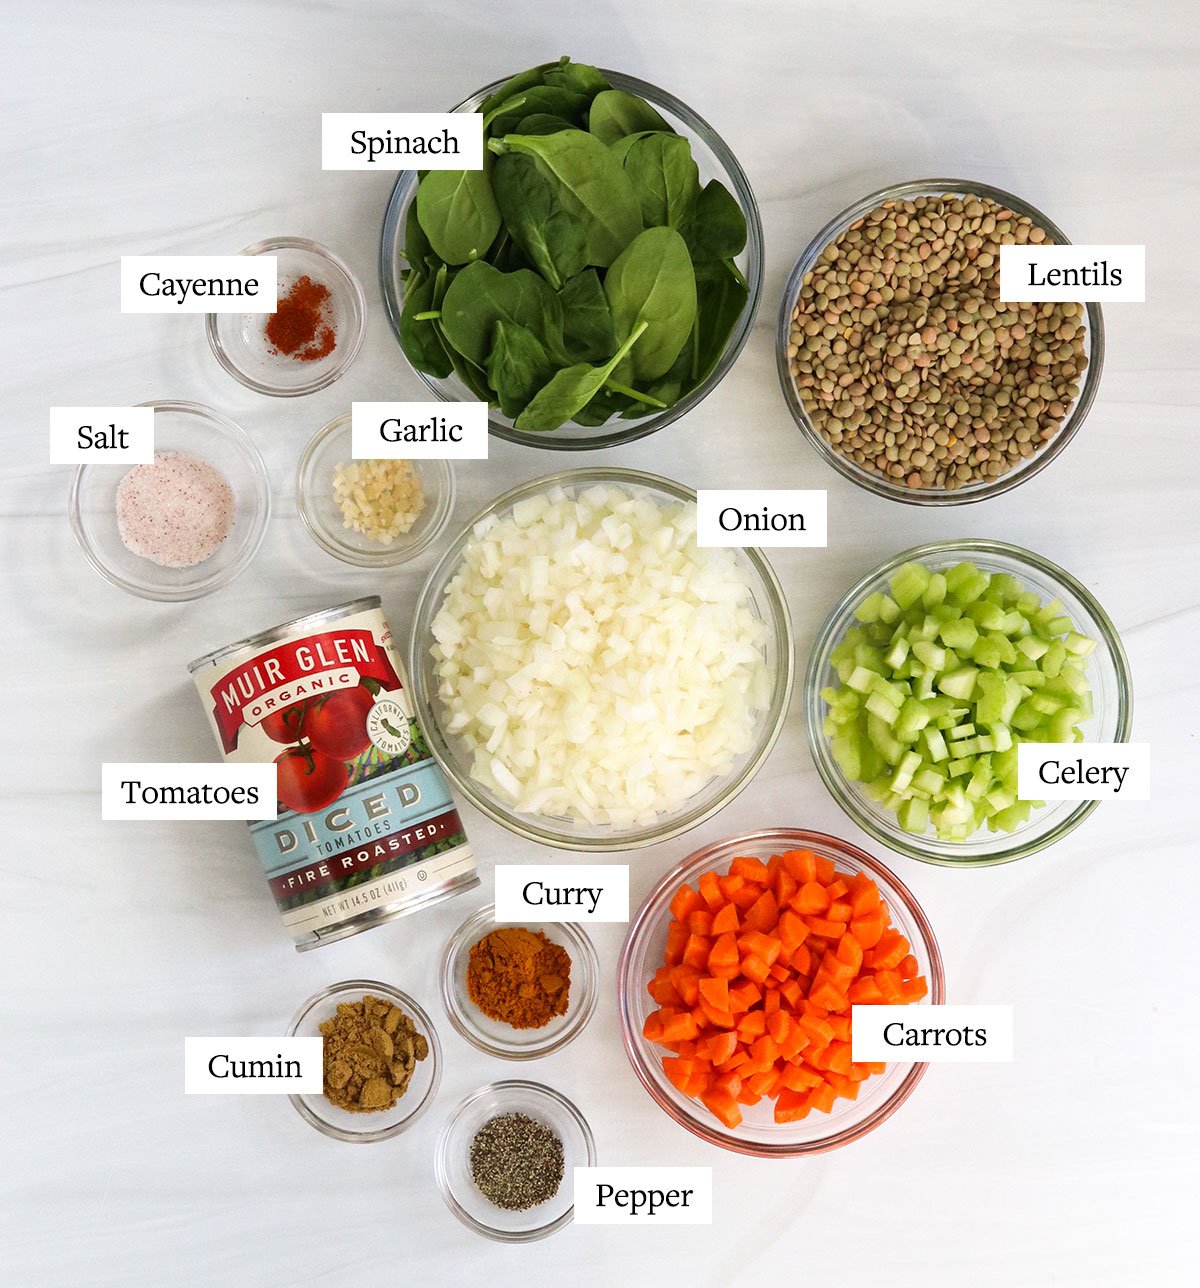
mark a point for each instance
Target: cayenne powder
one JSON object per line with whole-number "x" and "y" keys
{"x": 519, "y": 977}
{"x": 300, "y": 327}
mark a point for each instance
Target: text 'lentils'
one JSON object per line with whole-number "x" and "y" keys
{"x": 906, "y": 360}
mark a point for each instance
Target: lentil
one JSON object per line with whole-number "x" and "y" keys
{"x": 936, "y": 350}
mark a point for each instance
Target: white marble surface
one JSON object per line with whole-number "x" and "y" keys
{"x": 193, "y": 127}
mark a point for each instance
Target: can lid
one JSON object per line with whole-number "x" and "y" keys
{"x": 286, "y": 629}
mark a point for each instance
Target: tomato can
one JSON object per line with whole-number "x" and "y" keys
{"x": 367, "y": 829}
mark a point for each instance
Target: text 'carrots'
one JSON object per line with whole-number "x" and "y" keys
{"x": 761, "y": 968}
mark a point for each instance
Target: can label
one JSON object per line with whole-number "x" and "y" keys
{"x": 366, "y": 821}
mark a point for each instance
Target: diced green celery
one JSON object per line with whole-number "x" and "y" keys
{"x": 936, "y": 742}
{"x": 1005, "y": 588}
{"x": 1026, "y": 718}
{"x": 965, "y": 747}
{"x": 846, "y": 751}
{"x": 960, "y": 633}
{"x": 914, "y": 716}
{"x": 1030, "y": 679}
{"x": 868, "y": 655}
{"x": 910, "y": 762}
{"x": 958, "y": 684}
{"x": 935, "y": 590}
{"x": 1062, "y": 726}
{"x": 931, "y": 655}
{"x": 880, "y": 707}
{"x": 1056, "y": 655}
{"x": 1046, "y": 703}
{"x": 1050, "y": 609}
{"x": 879, "y": 732}
{"x": 868, "y": 610}
{"x": 1032, "y": 647}
{"x": 908, "y": 584}
{"x": 928, "y": 780}
{"x": 1060, "y": 625}
{"x": 1000, "y": 798}
{"x": 897, "y": 655}
{"x": 861, "y": 679}
{"x": 961, "y": 731}
{"x": 914, "y": 816}
{"x": 1079, "y": 645}
{"x": 965, "y": 583}
{"x": 1028, "y": 602}
{"x": 1001, "y": 736}
{"x": 987, "y": 616}
{"x": 1008, "y": 653}
{"x": 923, "y": 688}
{"x": 956, "y": 768}
{"x": 1015, "y": 624}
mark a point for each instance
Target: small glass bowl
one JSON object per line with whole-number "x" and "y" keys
{"x": 571, "y": 834}
{"x": 715, "y": 160}
{"x": 381, "y": 1124}
{"x": 495, "y": 1038}
{"x": 758, "y": 1134}
{"x": 452, "y": 1160}
{"x": 191, "y": 429}
{"x": 894, "y": 491}
{"x": 329, "y": 447}
{"x": 1108, "y": 673}
{"x": 239, "y": 341}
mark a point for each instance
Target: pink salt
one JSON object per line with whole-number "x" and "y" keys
{"x": 174, "y": 512}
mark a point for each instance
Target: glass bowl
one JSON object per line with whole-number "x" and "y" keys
{"x": 1108, "y": 673}
{"x": 758, "y": 1134}
{"x": 188, "y": 428}
{"x": 715, "y": 160}
{"x": 452, "y": 1160}
{"x": 380, "y": 1124}
{"x": 1029, "y": 466}
{"x": 329, "y": 447}
{"x": 239, "y": 341}
{"x": 768, "y": 601}
{"x": 492, "y": 1036}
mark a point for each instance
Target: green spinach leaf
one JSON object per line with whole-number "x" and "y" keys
{"x": 581, "y": 77}
{"x": 542, "y": 123}
{"x": 541, "y": 100}
{"x": 420, "y": 340}
{"x": 615, "y": 113}
{"x": 589, "y": 184}
{"x": 570, "y": 390}
{"x": 664, "y": 178}
{"x": 458, "y": 213}
{"x": 517, "y": 367}
{"x": 517, "y": 84}
{"x": 652, "y": 281}
{"x": 721, "y": 295}
{"x": 717, "y": 227}
{"x": 480, "y": 296}
{"x": 588, "y": 334}
{"x": 550, "y": 235}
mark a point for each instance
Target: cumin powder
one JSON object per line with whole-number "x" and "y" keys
{"x": 371, "y": 1049}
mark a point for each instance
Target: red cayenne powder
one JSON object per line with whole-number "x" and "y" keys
{"x": 300, "y": 328}
{"x": 175, "y": 512}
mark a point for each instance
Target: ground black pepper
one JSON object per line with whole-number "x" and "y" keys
{"x": 516, "y": 1161}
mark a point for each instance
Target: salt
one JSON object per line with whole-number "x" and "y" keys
{"x": 176, "y": 511}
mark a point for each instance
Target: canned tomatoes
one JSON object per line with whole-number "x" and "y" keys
{"x": 367, "y": 829}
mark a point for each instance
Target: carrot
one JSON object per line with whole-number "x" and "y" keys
{"x": 677, "y": 936}
{"x": 710, "y": 891}
{"x": 686, "y": 901}
{"x": 680, "y": 1027}
{"x": 722, "y": 960}
{"x": 811, "y": 899}
{"x": 700, "y": 922}
{"x": 743, "y": 996}
{"x": 715, "y": 992}
{"x": 801, "y": 864}
{"x": 686, "y": 980}
{"x": 820, "y": 926}
{"x": 722, "y": 1106}
{"x": 751, "y": 870}
{"x": 763, "y": 913}
{"x": 754, "y": 968}
{"x": 719, "y": 1048}
{"x": 725, "y": 920}
{"x": 764, "y": 946}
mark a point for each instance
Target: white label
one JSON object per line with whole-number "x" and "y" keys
{"x": 199, "y": 283}
{"x": 1083, "y": 771}
{"x": 774, "y": 517}
{"x": 562, "y": 892}
{"x": 932, "y": 1034}
{"x": 253, "y": 1066}
{"x": 1034, "y": 274}
{"x": 101, "y": 435}
{"x": 643, "y": 1196}
{"x": 203, "y": 790}
{"x": 427, "y": 431}
{"x": 401, "y": 141}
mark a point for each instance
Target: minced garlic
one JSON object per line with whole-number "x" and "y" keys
{"x": 380, "y": 499}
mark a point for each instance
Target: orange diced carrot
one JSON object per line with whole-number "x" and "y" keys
{"x": 743, "y": 995}
{"x": 700, "y": 922}
{"x": 686, "y": 901}
{"x": 677, "y": 936}
{"x": 695, "y": 952}
{"x": 820, "y": 926}
{"x": 763, "y": 914}
{"x": 722, "y": 960}
{"x": 811, "y": 899}
{"x": 722, "y": 1106}
{"x": 725, "y": 921}
{"x": 710, "y": 891}
{"x": 751, "y": 870}
{"x": 715, "y": 992}
{"x": 755, "y": 968}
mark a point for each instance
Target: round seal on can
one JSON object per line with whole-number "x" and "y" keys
{"x": 388, "y": 727}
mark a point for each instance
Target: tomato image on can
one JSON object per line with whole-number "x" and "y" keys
{"x": 367, "y": 829}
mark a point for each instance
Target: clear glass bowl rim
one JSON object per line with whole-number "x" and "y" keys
{"x": 872, "y": 482}
{"x": 443, "y": 1145}
{"x": 393, "y": 303}
{"x": 1009, "y": 849}
{"x": 585, "y": 973}
{"x": 415, "y": 1012}
{"x": 655, "y": 906}
{"x": 779, "y": 622}
{"x": 443, "y": 472}
{"x": 349, "y": 345}
{"x": 262, "y": 501}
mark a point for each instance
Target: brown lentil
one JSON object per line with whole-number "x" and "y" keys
{"x": 907, "y": 362}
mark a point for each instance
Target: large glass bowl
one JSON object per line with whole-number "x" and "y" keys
{"x": 898, "y": 491}
{"x": 758, "y": 1134}
{"x": 767, "y": 599}
{"x": 715, "y": 160}
{"x": 1108, "y": 673}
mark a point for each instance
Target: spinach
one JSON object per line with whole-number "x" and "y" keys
{"x": 615, "y": 113}
{"x": 517, "y": 367}
{"x": 458, "y": 213}
{"x": 480, "y": 296}
{"x": 421, "y": 340}
{"x": 664, "y": 178}
{"x": 721, "y": 295}
{"x": 652, "y": 282}
{"x": 588, "y": 334}
{"x": 583, "y": 273}
{"x": 550, "y": 235}
{"x": 589, "y": 183}
{"x": 570, "y": 390}
{"x": 717, "y": 227}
